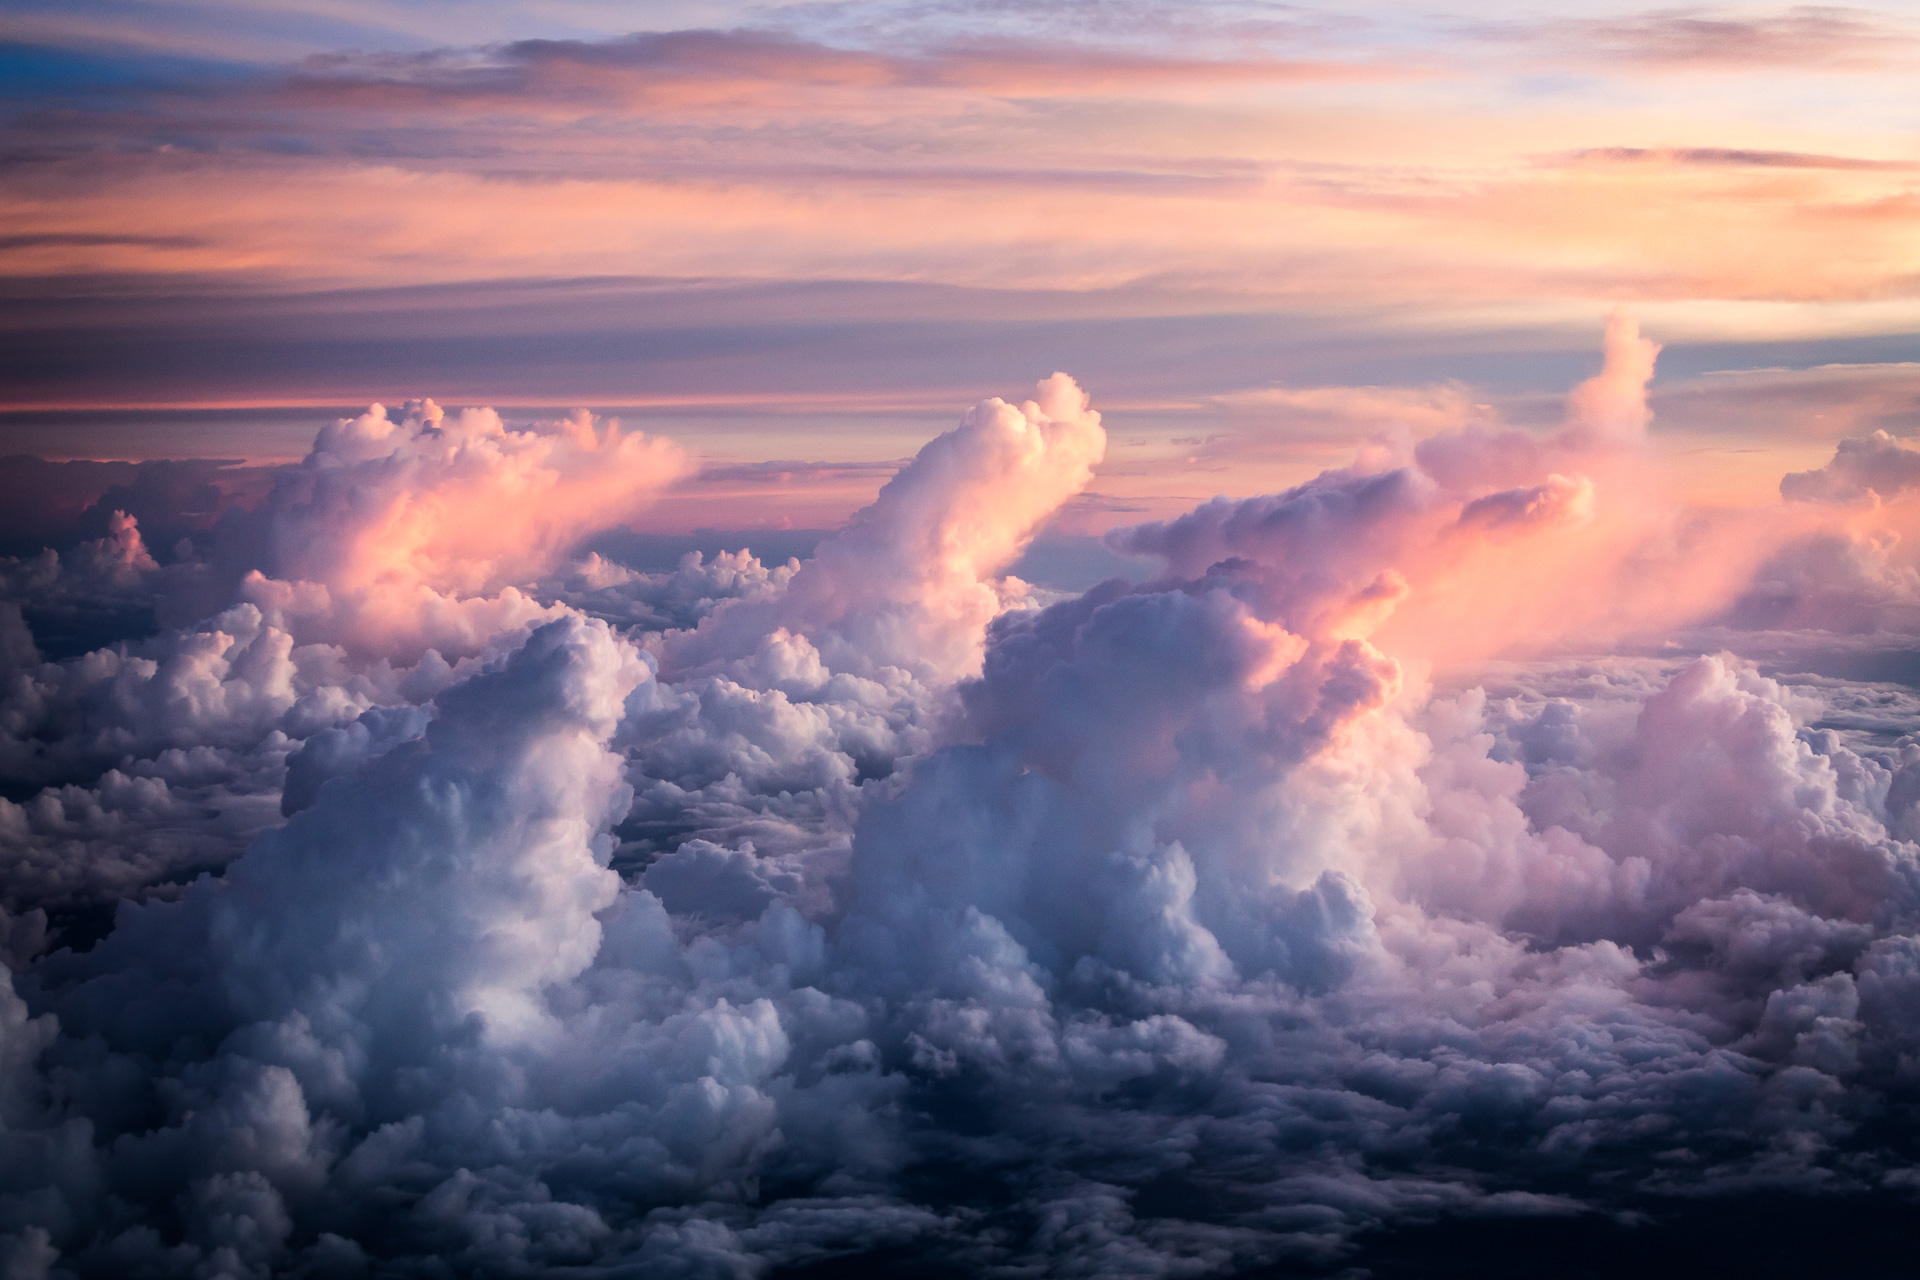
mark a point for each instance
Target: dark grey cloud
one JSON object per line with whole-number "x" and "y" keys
{"x": 58, "y": 504}
{"x": 93, "y": 240}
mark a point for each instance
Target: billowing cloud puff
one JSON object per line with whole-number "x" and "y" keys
{"x": 96, "y": 591}
{"x": 911, "y": 581}
{"x": 1851, "y": 572}
{"x": 1877, "y": 465}
{"x": 1611, "y": 406}
{"x": 395, "y": 535}
{"x": 1833, "y": 582}
{"x": 435, "y": 905}
{"x": 1487, "y": 521}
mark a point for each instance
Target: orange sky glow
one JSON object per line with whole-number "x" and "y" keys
{"x": 1259, "y": 237}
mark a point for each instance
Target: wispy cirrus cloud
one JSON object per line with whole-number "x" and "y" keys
{"x": 1736, "y": 158}
{"x": 1804, "y": 37}
{"x": 343, "y": 216}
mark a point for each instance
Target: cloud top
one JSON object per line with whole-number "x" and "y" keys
{"x": 439, "y": 902}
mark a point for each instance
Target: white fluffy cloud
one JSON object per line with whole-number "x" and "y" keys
{"x": 912, "y": 581}
{"x": 479, "y": 911}
{"x": 395, "y": 535}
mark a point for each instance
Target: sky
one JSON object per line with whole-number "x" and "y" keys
{"x": 970, "y": 639}
{"x": 806, "y": 232}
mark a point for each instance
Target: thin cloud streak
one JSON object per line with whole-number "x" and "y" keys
{"x": 775, "y": 155}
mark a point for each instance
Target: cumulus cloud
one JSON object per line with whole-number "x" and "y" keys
{"x": 96, "y": 592}
{"x": 57, "y": 504}
{"x": 1849, "y": 575}
{"x": 1877, "y": 465}
{"x": 1481, "y": 539}
{"x": 458, "y": 906}
{"x": 398, "y": 534}
{"x": 911, "y": 582}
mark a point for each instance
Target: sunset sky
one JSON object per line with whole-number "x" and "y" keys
{"x": 970, "y": 640}
{"x": 806, "y": 232}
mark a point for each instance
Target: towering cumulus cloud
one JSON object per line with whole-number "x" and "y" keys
{"x": 394, "y": 535}
{"x": 426, "y": 902}
{"x": 910, "y": 583}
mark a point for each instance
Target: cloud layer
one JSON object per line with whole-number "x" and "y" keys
{"x": 1411, "y": 844}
